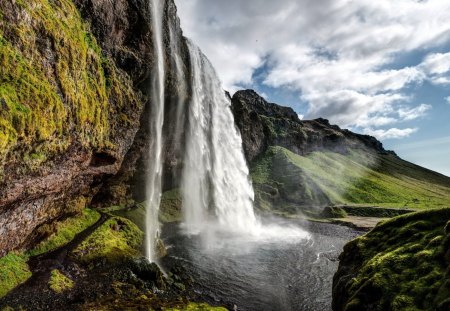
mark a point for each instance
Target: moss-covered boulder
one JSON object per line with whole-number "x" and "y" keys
{"x": 402, "y": 264}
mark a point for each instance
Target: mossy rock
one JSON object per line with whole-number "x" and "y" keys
{"x": 59, "y": 283}
{"x": 333, "y": 212}
{"x": 170, "y": 208}
{"x": 116, "y": 240}
{"x": 56, "y": 86}
{"x": 400, "y": 265}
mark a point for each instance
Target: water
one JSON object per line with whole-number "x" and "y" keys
{"x": 259, "y": 275}
{"x": 155, "y": 165}
{"x": 215, "y": 175}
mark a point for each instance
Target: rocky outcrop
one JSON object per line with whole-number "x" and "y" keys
{"x": 264, "y": 124}
{"x": 402, "y": 264}
{"x": 74, "y": 101}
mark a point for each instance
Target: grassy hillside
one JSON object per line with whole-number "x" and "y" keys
{"x": 286, "y": 181}
{"x": 403, "y": 264}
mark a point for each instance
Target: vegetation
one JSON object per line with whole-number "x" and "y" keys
{"x": 283, "y": 178}
{"x": 192, "y": 306}
{"x": 59, "y": 282}
{"x": 117, "y": 239}
{"x": 170, "y": 210}
{"x": 65, "y": 231}
{"x": 403, "y": 264}
{"x": 334, "y": 212}
{"x": 54, "y": 82}
{"x": 14, "y": 270}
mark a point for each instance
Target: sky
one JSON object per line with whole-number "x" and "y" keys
{"x": 375, "y": 67}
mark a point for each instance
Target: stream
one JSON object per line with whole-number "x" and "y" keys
{"x": 258, "y": 275}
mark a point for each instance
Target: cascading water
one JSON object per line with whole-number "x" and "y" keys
{"x": 215, "y": 185}
{"x": 155, "y": 165}
{"x": 216, "y": 189}
{"x": 215, "y": 172}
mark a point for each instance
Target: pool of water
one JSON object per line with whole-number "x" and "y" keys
{"x": 245, "y": 273}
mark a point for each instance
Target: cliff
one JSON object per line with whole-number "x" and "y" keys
{"x": 299, "y": 166}
{"x": 74, "y": 81}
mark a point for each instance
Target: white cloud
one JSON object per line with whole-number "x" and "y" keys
{"x": 393, "y": 133}
{"x": 336, "y": 53}
{"x": 437, "y": 63}
{"x": 448, "y": 100}
{"x": 409, "y": 114}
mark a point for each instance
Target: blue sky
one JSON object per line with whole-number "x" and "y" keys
{"x": 376, "y": 67}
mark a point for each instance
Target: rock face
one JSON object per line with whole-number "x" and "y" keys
{"x": 264, "y": 124}
{"x": 74, "y": 106}
{"x": 402, "y": 264}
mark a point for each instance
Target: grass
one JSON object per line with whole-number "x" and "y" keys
{"x": 402, "y": 264}
{"x": 324, "y": 178}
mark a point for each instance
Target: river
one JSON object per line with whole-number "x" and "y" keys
{"x": 259, "y": 275}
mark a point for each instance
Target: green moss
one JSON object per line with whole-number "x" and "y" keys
{"x": 14, "y": 271}
{"x": 49, "y": 94}
{"x": 66, "y": 231}
{"x": 334, "y": 212}
{"x": 117, "y": 239}
{"x": 170, "y": 208}
{"x": 402, "y": 263}
{"x": 192, "y": 306}
{"x": 59, "y": 282}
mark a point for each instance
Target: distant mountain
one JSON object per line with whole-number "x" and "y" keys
{"x": 298, "y": 165}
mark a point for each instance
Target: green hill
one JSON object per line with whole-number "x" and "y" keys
{"x": 289, "y": 182}
{"x": 299, "y": 165}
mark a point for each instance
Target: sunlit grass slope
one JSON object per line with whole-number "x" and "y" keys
{"x": 286, "y": 181}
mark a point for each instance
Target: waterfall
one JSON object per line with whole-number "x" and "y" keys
{"x": 215, "y": 178}
{"x": 215, "y": 186}
{"x": 155, "y": 165}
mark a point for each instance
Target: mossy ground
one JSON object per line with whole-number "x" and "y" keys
{"x": 286, "y": 181}
{"x": 65, "y": 231}
{"x": 192, "y": 306}
{"x": 13, "y": 271}
{"x": 117, "y": 239}
{"x": 59, "y": 282}
{"x": 403, "y": 264}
